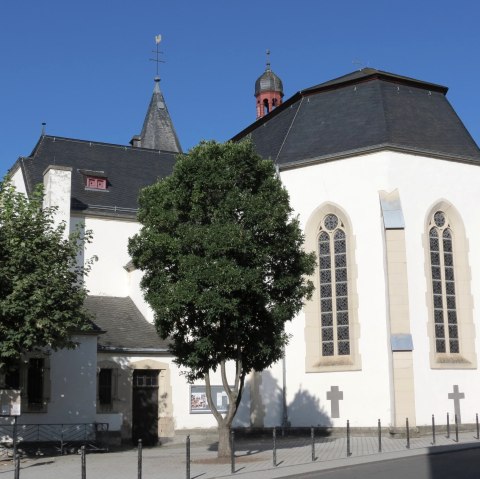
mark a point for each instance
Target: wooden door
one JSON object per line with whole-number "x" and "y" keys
{"x": 145, "y": 406}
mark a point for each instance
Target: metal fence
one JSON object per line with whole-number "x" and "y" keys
{"x": 60, "y": 437}
{"x": 259, "y": 450}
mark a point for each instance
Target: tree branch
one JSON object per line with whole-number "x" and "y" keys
{"x": 213, "y": 408}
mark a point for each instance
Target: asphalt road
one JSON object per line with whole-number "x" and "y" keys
{"x": 451, "y": 465}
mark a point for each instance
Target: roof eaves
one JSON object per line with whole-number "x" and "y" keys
{"x": 376, "y": 149}
{"x": 117, "y": 349}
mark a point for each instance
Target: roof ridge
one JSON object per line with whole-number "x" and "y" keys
{"x": 101, "y": 143}
{"x": 288, "y": 131}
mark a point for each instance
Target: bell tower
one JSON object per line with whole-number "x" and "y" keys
{"x": 268, "y": 91}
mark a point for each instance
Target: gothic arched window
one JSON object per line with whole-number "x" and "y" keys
{"x": 443, "y": 284}
{"x": 335, "y": 335}
{"x": 451, "y": 328}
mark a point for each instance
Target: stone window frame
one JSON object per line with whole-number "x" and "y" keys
{"x": 466, "y": 358}
{"x": 115, "y": 368}
{"x": 26, "y": 406}
{"x": 314, "y": 361}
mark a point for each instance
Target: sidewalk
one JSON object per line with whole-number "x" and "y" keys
{"x": 253, "y": 459}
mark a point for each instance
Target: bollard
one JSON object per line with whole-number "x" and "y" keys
{"x": 448, "y": 425}
{"x": 456, "y": 428}
{"x": 188, "y": 457}
{"x": 476, "y": 421}
{"x": 408, "y": 433}
{"x": 232, "y": 451}
{"x": 274, "y": 447}
{"x": 379, "y": 436}
{"x": 16, "y": 460}
{"x": 84, "y": 463}
{"x": 433, "y": 429}
{"x": 349, "y": 452}
{"x": 139, "y": 459}
{"x": 312, "y": 435}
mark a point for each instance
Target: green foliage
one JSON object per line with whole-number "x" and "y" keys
{"x": 223, "y": 263}
{"x": 41, "y": 285}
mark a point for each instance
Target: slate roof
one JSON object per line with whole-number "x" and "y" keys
{"x": 127, "y": 170}
{"x": 158, "y": 132}
{"x": 125, "y": 327}
{"x": 360, "y": 112}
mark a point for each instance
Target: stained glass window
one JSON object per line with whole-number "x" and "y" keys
{"x": 332, "y": 250}
{"x": 443, "y": 284}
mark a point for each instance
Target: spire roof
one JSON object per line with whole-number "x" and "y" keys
{"x": 158, "y": 132}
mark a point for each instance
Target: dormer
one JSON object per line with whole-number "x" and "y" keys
{"x": 95, "y": 180}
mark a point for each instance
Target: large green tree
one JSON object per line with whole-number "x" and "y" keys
{"x": 41, "y": 285}
{"x": 223, "y": 264}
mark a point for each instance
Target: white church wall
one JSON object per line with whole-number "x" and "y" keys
{"x": 350, "y": 185}
{"x": 108, "y": 276}
{"x": 18, "y": 181}
{"x": 353, "y": 184}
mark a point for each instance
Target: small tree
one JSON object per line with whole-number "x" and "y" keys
{"x": 41, "y": 284}
{"x": 223, "y": 263}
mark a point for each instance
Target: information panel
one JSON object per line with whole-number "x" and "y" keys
{"x": 9, "y": 402}
{"x": 199, "y": 403}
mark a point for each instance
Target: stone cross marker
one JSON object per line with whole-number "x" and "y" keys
{"x": 456, "y": 396}
{"x": 334, "y": 396}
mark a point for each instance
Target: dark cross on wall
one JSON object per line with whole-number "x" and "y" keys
{"x": 334, "y": 396}
{"x": 456, "y": 396}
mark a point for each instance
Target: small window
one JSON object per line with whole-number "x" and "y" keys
{"x": 105, "y": 387}
{"x": 96, "y": 183}
{"x": 145, "y": 378}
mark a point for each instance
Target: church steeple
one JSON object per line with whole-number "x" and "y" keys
{"x": 268, "y": 90}
{"x": 158, "y": 132}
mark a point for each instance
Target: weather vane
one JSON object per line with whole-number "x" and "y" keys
{"x": 158, "y": 39}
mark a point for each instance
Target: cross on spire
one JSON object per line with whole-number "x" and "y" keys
{"x": 158, "y": 39}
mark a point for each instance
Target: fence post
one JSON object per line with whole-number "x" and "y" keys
{"x": 433, "y": 429}
{"x": 139, "y": 459}
{"x": 312, "y": 436}
{"x": 408, "y": 433}
{"x": 379, "y": 436}
{"x": 84, "y": 463}
{"x": 232, "y": 450}
{"x": 448, "y": 425}
{"x": 15, "y": 437}
{"x": 456, "y": 428}
{"x": 349, "y": 452}
{"x": 16, "y": 459}
{"x": 188, "y": 457}
{"x": 274, "y": 447}
{"x": 476, "y": 421}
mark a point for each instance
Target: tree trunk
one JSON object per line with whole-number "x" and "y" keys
{"x": 224, "y": 449}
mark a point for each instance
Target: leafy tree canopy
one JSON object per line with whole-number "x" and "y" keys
{"x": 223, "y": 263}
{"x": 41, "y": 284}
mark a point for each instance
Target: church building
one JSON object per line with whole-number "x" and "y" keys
{"x": 382, "y": 175}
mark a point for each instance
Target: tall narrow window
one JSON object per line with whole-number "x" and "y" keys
{"x": 443, "y": 284}
{"x": 105, "y": 388}
{"x": 35, "y": 382}
{"x": 335, "y": 337}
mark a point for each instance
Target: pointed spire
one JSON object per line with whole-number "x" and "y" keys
{"x": 158, "y": 132}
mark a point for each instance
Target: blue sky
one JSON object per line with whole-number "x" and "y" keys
{"x": 83, "y": 66}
